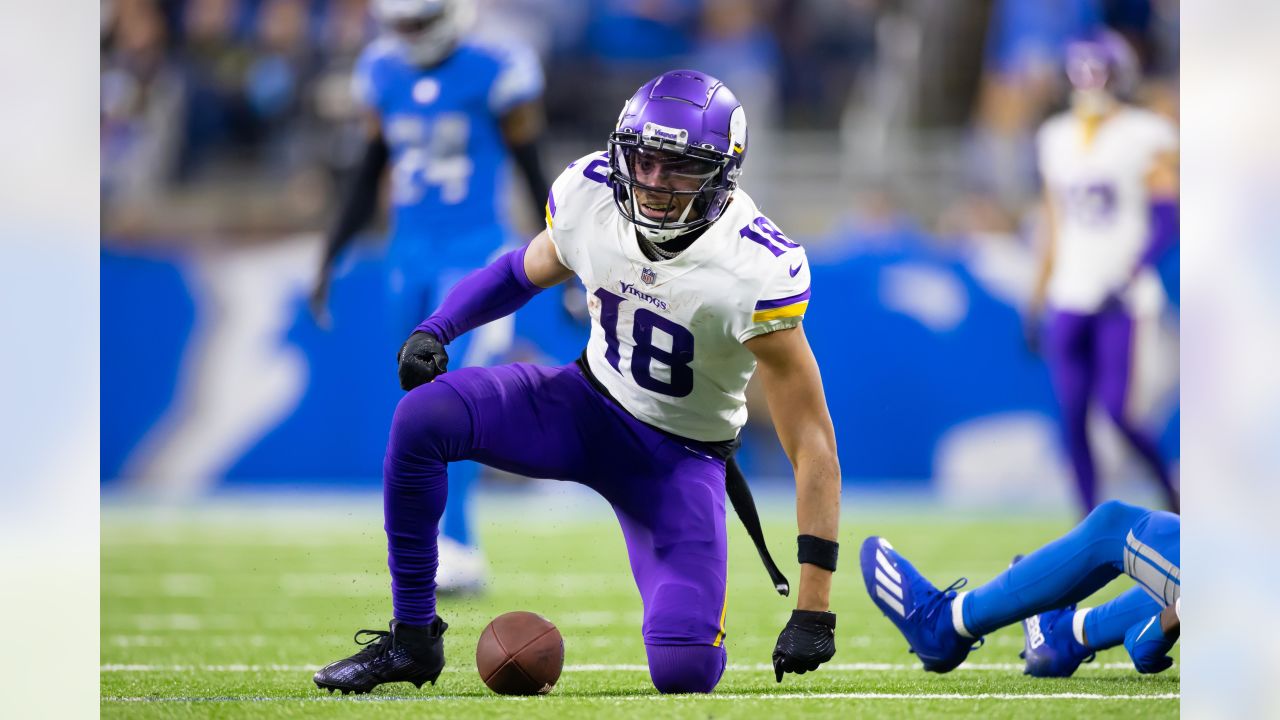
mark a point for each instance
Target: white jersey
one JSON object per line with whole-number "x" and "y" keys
{"x": 1100, "y": 193}
{"x": 666, "y": 336}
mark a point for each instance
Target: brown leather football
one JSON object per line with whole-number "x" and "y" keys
{"x": 520, "y": 653}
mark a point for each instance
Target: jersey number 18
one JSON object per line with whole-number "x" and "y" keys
{"x": 644, "y": 322}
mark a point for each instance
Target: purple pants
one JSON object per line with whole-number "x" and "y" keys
{"x": 1089, "y": 357}
{"x": 545, "y": 422}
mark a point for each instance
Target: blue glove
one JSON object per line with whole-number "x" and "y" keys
{"x": 1149, "y": 647}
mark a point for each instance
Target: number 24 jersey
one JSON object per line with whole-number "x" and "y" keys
{"x": 667, "y": 336}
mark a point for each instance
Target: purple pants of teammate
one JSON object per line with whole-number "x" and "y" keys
{"x": 1089, "y": 356}
{"x": 545, "y": 422}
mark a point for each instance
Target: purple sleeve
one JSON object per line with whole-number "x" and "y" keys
{"x": 1164, "y": 230}
{"x": 483, "y": 296}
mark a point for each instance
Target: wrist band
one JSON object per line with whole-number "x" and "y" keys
{"x": 817, "y": 551}
{"x": 816, "y": 617}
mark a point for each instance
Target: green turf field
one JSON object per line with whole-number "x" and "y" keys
{"x": 227, "y": 611}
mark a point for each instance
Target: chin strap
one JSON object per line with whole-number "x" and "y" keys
{"x": 653, "y": 236}
{"x": 655, "y": 250}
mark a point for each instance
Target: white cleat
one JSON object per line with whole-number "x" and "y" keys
{"x": 463, "y": 569}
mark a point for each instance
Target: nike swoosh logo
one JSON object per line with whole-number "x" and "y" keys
{"x": 796, "y": 269}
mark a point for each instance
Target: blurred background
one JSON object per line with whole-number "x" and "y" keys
{"x": 894, "y": 139}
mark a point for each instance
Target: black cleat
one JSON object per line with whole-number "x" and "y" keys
{"x": 408, "y": 653}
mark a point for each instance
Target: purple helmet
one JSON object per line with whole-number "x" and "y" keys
{"x": 1103, "y": 62}
{"x": 691, "y": 118}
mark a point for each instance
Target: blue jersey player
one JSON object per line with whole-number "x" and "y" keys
{"x": 445, "y": 114}
{"x": 1042, "y": 590}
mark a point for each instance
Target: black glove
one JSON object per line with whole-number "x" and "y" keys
{"x": 808, "y": 640}
{"x": 422, "y": 358}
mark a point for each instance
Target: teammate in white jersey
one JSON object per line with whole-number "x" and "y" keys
{"x": 1110, "y": 174}
{"x": 691, "y": 290}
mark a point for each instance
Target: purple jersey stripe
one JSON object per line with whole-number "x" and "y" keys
{"x": 783, "y": 302}
{"x": 551, "y": 203}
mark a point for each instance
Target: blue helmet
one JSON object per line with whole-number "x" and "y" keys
{"x": 689, "y": 118}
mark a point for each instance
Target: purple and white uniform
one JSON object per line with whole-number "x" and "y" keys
{"x": 1102, "y": 232}
{"x": 648, "y": 418}
{"x": 666, "y": 337}
{"x": 1098, "y": 186}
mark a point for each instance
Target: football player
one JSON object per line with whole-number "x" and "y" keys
{"x": 1042, "y": 590}
{"x": 691, "y": 291}
{"x": 445, "y": 112}
{"x": 1110, "y": 174}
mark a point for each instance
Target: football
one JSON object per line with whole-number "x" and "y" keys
{"x": 520, "y": 653}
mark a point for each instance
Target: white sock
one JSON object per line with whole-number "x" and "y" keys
{"x": 957, "y": 615}
{"x": 1077, "y": 625}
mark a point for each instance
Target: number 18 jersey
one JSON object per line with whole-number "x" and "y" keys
{"x": 667, "y": 336}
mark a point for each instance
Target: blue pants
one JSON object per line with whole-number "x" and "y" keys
{"x": 1114, "y": 539}
{"x": 419, "y": 274}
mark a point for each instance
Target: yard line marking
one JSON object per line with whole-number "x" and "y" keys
{"x": 593, "y": 667}
{"x": 659, "y": 698}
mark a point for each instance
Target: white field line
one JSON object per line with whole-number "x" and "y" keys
{"x": 651, "y": 698}
{"x": 154, "y": 622}
{"x": 750, "y": 667}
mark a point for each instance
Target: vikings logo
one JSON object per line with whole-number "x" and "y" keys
{"x": 648, "y": 276}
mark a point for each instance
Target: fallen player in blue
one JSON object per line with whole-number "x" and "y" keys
{"x": 1042, "y": 590}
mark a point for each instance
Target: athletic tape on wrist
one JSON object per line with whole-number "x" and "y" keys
{"x": 817, "y": 551}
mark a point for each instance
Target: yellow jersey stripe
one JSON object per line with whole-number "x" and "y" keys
{"x": 548, "y": 214}
{"x": 723, "y": 609}
{"x": 786, "y": 311}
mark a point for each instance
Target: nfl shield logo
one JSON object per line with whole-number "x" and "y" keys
{"x": 648, "y": 276}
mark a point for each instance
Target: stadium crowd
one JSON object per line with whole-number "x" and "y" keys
{"x": 210, "y": 107}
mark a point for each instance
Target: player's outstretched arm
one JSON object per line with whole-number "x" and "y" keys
{"x": 793, "y": 388}
{"x": 522, "y": 128}
{"x": 1044, "y": 271}
{"x": 358, "y": 205}
{"x": 541, "y": 263}
{"x": 1162, "y": 187}
{"x": 485, "y": 295}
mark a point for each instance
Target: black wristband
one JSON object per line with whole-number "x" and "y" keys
{"x": 815, "y": 617}
{"x": 818, "y": 551}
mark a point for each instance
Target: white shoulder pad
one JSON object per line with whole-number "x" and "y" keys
{"x": 1159, "y": 131}
{"x": 519, "y": 77}
{"x": 366, "y": 85}
{"x": 573, "y": 196}
{"x": 785, "y": 279}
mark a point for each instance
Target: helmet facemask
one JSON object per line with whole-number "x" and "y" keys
{"x": 664, "y": 190}
{"x": 676, "y": 154}
{"x": 1102, "y": 72}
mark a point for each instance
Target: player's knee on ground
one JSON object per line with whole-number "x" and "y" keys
{"x": 681, "y": 613}
{"x": 686, "y": 668}
{"x": 431, "y": 423}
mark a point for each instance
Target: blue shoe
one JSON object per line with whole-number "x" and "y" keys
{"x": 1051, "y": 648}
{"x": 921, "y": 612}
